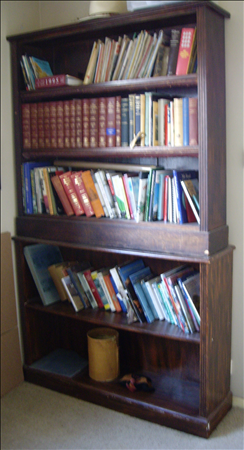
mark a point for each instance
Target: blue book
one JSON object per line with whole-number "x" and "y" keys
{"x": 185, "y": 110}
{"x": 61, "y": 362}
{"x": 136, "y": 279}
{"x": 27, "y": 168}
{"x": 39, "y": 257}
{"x": 148, "y": 295}
{"x": 180, "y": 175}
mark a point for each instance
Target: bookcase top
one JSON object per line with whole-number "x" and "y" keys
{"x": 154, "y": 14}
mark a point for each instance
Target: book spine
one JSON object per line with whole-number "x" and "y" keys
{"x": 111, "y": 187}
{"x": 87, "y": 275}
{"x": 72, "y": 123}
{"x": 110, "y": 287}
{"x": 71, "y": 193}
{"x": 100, "y": 290}
{"x": 142, "y": 120}
{"x": 66, "y": 124}
{"x": 173, "y": 53}
{"x": 47, "y": 138}
{"x": 193, "y": 121}
{"x": 60, "y": 124}
{"x": 93, "y": 122}
{"x": 51, "y": 81}
{"x": 48, "y": 191}
{"x": 53, "y": 124}
{"x": 186, "y": 41}
{"x": 34, "y": 125}
{"x": 118, "y": 120}
{"x": 178, "y": 122}
{"x": 137, "y": 114}
{"x": 85, "y": 122}
{"x": 131, "y": 117}
{"x": 82, "y": 193}
{"x": 40, "y": 124}
{"x": 111, "y": 122}
{"x": 106, "y": 292}
{"x": 87, "y": 290}
{"x": 102, "y": 122}
{"x": 124, "y": 122}
{"x": 26, "y": 126}
{"x": 78, "y": 122}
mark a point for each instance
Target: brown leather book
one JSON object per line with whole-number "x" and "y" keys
{"x": 40, "y": 124}
{"x": 60, "y": 124}
{"x": 66, "y": 124}
{"x": 93, "y": 122}
{"x": 92, "y": 193}
{"x": 118, "y": 120}
{"x": 33, "y": 125}
{"x": 47, "y": 125}
{"x": 78, "y": 122}
{"x": 85, "y": 122}
{"x": 102, "y": 122}
{"x": 80, "y": 189}
{"x": 72, "y": 123}
{"x": 26, "y": 129}
{"x": 111, "y": 122}
{"x": 53, "y": 124}
{"x": 68, "y": 186}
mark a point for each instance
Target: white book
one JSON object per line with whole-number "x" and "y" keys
{"x": 72, "y": 293}
{"x": 157, "y": 304}
{"x": 111, "y": 213}
{"x": 119, "y": 190}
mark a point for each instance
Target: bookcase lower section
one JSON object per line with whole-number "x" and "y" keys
{"x": 159, "y": 407}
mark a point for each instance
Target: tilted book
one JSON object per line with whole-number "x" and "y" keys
{"x": 57, "y": 80}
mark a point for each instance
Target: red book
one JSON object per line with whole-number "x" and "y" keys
{"x": 60, "y": 124}
{"x": 68, "y": 186}
{"x": 93, "y": 122}
{"x": 193, "y": 121}
{"x": 78, "y": 122}
{"x": 40, "y": 124}
{"x": 46, "y": 115}
{"x": 165, "y": 210}
{"x": 185, "y": 48}
{"x": 72, "y": 123}
{"x": 82, "y": 193}
{"x": 102, "y": 122}
{"x": 93, "y": 288}
{"x": 34, "y": 125}
{"x": 57, "y": 80}
{"x": 53, "y": 124}
{"x": 118, "y": 120}
{"x": 66, "y": 124}
{"x": 111, "y": 122}
{"x": 62, "y": 195}
{"x": 85, "y": 122}
{"x": 26, "y": 126}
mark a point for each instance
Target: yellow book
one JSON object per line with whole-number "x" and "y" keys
{"x": 91, "y": 64}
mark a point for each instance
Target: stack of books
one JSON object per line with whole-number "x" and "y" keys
{"x": 139, "y": 193}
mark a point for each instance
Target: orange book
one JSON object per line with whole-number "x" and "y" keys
{"x": 92, "y": 193}
{"x": 79, "y": 186}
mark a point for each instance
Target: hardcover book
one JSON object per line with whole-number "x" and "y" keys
{"x": 72, "y": 271}
{"x": 87, "y": 289}
{"x": 68, "y": 186}
{"x": 111, "y": 122}
{"x": 185, "y": 49}
{"x": 73, "y": 294}
{"x": 39, "y": 257}
{"x": 81, "y": 192}
{"x": 57, "y": 80}
{"x": 102, "y": 120}
{"x": 62, "y": 195}
{"x": 26, "y": 125}
{"x": 174, "y": 50}
{"x": 62, "y": 362}
{"x": 182, "y": 175}
{"x": 90, "y": 281}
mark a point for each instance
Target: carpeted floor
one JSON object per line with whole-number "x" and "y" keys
{"x": 37, "y": 418}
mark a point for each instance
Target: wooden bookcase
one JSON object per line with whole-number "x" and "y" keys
{"x": 191, "y": 373}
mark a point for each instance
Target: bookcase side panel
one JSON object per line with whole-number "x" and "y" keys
{"x": 215, "y": 347}
{"x": 212, "y": 120}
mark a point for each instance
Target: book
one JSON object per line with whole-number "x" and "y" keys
{"x": 124, "y": 122}
{"x": 111, "y": 122}
{"x": 57, "y": 80}
{"x": 132, "y": 200}
{"x": 39, "y": 257}
{"x": 155, "y": 193}
{"x": 57, "y": 273}
{"x": 149, "y": 297}
{"x": 135, "y": 279}
{"x": 72, "y": 270}
{"x": 118, "y": 185}
{"x": 162, "y": 197}
{"x": 92, "y": 193}
{"x": 100, "y": 289}
{"x": 41, "y": 67}
{"x": 49, "y": 189}
{"x": 185, "y": 120}
{"x": 155, "y": 298}
{"x": 185, "y": 309}
{"x": 111, "y": 290}
{"x": 193, "y": 121}
{"x": 87, "y": 289}
{"x": 119, "y": 289}
{"x": 154, "y": 54}
{"x": 118, "y": 120}
{"x": 88, "y": 78}
{"x": 73, "y": 294}
{"x": 142, "y": 191}
{"x": 62, "y": 195}
{"x": 64, "y": 362}
{"x": 94, "y": 122}
{"x": 99, "y": 192}
{"x": 46, "y": 122}
{"x": 68, "y": 186}
{"x": 100, "y": 275}
{"x": 102, "y": 121}
{"x": 108, "y": 175}
{"x": 161, "y": 63}
{"x": 142, "y": 119}
{"x": 81, "y": 192}
{"x": 180, "y": 175}
{"x": 191, "y": 288}
{"x": 185, "y": 49}
{"x": 191, "y": 190}
{"x": 124, "y": 271}
{"x": 109, "y": 198}
{"x": 92, "y": 285}
{"x": 174, "y": 50}
{"x": 26, "y": 125}
{"x": 178, "y": 122}
{"x": 33, "y": 125}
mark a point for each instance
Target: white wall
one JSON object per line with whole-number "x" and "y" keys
{"x": 22, "y": 16}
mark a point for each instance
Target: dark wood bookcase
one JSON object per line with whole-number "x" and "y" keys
{"x": 191, "y": 373}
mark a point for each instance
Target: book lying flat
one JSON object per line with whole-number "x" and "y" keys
{"x": 57, "y": 80}
{"x": 61, "y": 362}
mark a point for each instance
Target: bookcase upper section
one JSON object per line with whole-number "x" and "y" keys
{"x": 68, "y": 48}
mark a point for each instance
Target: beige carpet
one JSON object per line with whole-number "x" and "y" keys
{"x": 37, "y": 418}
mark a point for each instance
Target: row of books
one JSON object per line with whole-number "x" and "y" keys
{"x": 144, "y": 55}
{"x": 146, "y": 119}
{"x": 130, "y": 288}
{"x": 148, "y": 195}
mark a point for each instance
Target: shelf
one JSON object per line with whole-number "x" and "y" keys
{"x": 115, "y": 320}
{"x": 124, "y": 236}
{"x": 110, "y": 87}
